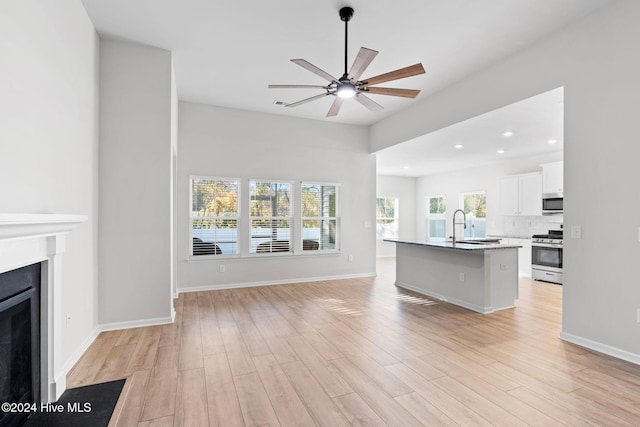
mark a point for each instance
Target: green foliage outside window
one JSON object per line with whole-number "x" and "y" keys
{"x": 214, "y": 198}
{"x": 437, "y": 205}
{"x": 475, "y": 204}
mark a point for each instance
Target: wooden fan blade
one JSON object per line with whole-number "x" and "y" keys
{"x": 368, "y": 102}
{"x": 309, "y": 66}
{"x": 304, "y": 101}
{"x": 296, "y": 87}
{"x": 402, "y": 73}
{"x": 335, "y": 107}
{"x": 362, "y": 61}
{"x": 406, "y": 93}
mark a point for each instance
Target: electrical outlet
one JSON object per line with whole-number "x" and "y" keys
{"x": 462, "y": 277}
{"x": 68, "y": 319}
{"x": 222, "y": 268}
{"x": 350, "y": 258}
{"x": 503, "y": 267}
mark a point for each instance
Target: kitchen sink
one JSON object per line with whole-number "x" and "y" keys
{"x": 478, "y": 241}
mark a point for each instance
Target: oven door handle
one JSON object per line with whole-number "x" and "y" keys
{"x": 547, "y": 245}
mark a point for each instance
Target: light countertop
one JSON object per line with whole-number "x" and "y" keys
{"x": 451, "y": 245}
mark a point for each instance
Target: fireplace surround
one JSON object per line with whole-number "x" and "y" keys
{"x": 27, "y": 239}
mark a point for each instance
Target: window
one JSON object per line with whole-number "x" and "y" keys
{"x": 386, "y": 218}
{"x": 319, "y": 216}
{"x": 214, "y": 216}
{"x": 436, "y": 220}
{"x": 270, "y": 216}
{"x": 475, "y": 208}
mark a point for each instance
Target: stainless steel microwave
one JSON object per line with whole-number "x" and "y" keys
{"x": 552, "y": 203}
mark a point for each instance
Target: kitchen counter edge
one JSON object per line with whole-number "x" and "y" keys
{"x": 457, "y": 246}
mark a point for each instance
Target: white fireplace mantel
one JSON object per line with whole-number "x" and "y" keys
{"x": 35, "y": 225}
{"x": 27, "y": 239}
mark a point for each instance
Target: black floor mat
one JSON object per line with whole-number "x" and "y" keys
{"x": 90, "y": 405}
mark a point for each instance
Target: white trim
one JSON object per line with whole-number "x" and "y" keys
{"x": 601, "y": 348}
{"x": 13, "y": 226}
{"x": 60, "y": 380}
{"x": 138, "y": 323}
{"x": 40, "y": 238}
{"x": 236, "y": 257}
{"x": 337, "y": 184}
{"x": 271, "y": 282}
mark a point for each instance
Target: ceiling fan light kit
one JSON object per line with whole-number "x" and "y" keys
{"x": 350, "y": 85}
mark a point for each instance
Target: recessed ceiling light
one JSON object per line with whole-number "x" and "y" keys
{"x": 500, "y": 151}
{"x": 552, "y": 141}
{"x": 406, "y": 167}
{"x": 458, "y": 146}
{"x": 507, "y": 133}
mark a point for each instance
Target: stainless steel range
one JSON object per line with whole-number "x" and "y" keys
{"x": 546, "y": 256}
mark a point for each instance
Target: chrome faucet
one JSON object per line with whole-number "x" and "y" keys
{"x": 464, "y": 222}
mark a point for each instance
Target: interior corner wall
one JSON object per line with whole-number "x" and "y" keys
{"x": 135, "y": 184}
{"x": 597, "y": 60}
{"x": 49, "y": 141}
{"x": 404, "y": 189}
{"x": 224, "y": 142}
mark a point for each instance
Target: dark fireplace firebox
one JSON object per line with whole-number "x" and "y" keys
{"x": 19, "y": 340}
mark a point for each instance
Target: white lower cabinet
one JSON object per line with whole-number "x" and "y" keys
{"x": 524, "y": 254}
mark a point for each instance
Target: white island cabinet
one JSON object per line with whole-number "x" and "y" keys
{"x": 479, "y": 277}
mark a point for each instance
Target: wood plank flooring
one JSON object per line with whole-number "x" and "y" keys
{"x": 359, "y": 352}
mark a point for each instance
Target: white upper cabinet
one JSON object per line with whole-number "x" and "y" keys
{"x": 521, "y": 194}
{"x": 552, "y": 177}
{"x": 509, "y": 195}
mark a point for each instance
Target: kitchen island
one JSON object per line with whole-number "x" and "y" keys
{"x": 479, "y": 276}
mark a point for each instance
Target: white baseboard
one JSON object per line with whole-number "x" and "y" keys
{"x": 271, "y": 282}
{"x": 58, "y": 384}
{"x": 137, "y": 323}
{"x": 601, "y": 348}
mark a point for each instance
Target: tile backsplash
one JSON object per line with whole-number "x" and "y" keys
{"x": 519, "y": 226}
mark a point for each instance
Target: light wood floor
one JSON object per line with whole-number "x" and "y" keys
{"x": 359, "y": 352}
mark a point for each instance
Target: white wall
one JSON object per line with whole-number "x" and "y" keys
{"x": 485, "y": 178}
{"x": 135, "y": 184}
{"x": 224, "y": 142}
{"x": 49, "y": 139}
{"x": 404, "y": 189}
{"x": 598, "y": 63}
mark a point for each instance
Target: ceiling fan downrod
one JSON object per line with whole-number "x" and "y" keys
{"x": 346, "y": 13}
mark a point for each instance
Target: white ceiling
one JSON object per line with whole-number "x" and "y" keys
{"x": 226, "y": 53}
{"x": 534, "y": 122}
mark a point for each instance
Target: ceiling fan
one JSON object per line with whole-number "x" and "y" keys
{"x": 350, "y": 85}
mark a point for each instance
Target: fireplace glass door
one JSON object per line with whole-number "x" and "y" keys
{"x": 19, "y": 341}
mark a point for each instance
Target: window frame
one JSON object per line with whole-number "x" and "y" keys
{"x": 482, "y": 219}
{"x": 290, "y": 218}
{"x": 337, "y": 236}
{"x": 436, "y": 216}
{"x": 237, "y": 218}
{"x": 395, "y": 218}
